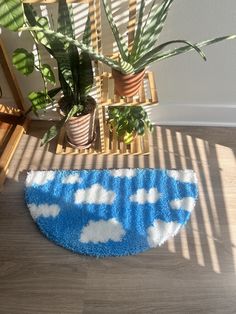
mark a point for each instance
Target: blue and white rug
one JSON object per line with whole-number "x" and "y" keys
{"x": 111, "y": 212}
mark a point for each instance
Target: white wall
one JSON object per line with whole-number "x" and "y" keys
{"x": 190, "y": 90}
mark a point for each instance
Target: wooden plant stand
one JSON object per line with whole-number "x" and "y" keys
{"x": 12, "y": 121}
{"x": 106, "y": 140}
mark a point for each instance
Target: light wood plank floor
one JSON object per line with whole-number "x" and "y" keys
{"x": 194, "y": 273}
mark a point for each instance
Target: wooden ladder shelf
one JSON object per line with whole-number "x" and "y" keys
{"x": 12, "y": 121}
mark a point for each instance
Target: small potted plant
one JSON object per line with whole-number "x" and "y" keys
{"x": 128, "y": 122}
{"x": 75, "y": 73}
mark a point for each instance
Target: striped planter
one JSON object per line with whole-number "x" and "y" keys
{"x": 81, "y": 130}
{"x": 127, "y": 84}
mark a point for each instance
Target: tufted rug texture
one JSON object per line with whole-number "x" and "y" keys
{"x": 110, "y": 212}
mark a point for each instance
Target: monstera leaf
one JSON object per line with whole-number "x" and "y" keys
{"x": 23, "y": 61}
{"x": 11, "y": 14}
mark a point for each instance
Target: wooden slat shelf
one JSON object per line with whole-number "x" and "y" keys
{"x": 113, "y": 146}
{"x": 12, "y": 121}
{"x": 53, "y": 1}
{"x": 106, "y": 140}
{"x": 10, "y": 110}
{"x": 8, "y": 147}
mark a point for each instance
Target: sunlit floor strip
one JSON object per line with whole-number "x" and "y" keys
{"x": 204, "y": 209}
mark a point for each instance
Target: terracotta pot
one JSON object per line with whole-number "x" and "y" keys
{"x": 81, "y": 130}
{"x": 127, "y": 84}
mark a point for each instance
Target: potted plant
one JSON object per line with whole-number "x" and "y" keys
{"x": 128, "y": 122}
{"x": 75, "y": 73}
{"x": 131, "y": 62}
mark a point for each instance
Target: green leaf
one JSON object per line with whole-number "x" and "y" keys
{"x": 72, "y": 112}
{"x": 93, "y": 54}
{"x": 154, "y": 25}
{"x": 121, "y": 43}
{"x": 53, "y": 92}
{"x": 139, "y": 28}
{"x": 64, "y": 19}
{"x": 39, "y": 21}
{"x": 142, "y": 62}
{"x": 50, "y": 134}
{"x": 39, "y": 100}
{"x": 23, "y": 61}
{"x": 40, "y": 36}
{"x": 85, "y": 74}
{"x": 87, "y": 32}
{"x": 128, "y": 138}
{"x": 48, "y": 73}
{"x": 126, "y": 67}
{"x": 11, "y": 14}
{"x": 171, "y": 53}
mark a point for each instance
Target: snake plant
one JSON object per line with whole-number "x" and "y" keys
{"x": 144, "y": 50}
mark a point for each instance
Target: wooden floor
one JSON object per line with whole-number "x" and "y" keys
{"x": 194, "y": 273}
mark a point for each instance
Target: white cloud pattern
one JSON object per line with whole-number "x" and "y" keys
{"x": 39, "y": 177}
{"x": 128, "y": 173}
{"x": 102, "y": 231}
{"x": 96, "y": 194}
{"x": 72, "y": 179}
{"x": 186, "y": 203}
{"x": 44, "y": 210}
{"x": 142, "y": 196}
{"x": 160, "y": 231}
{"x": 186, "y": 176}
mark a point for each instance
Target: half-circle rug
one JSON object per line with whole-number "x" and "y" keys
{"x": 110, "y": 212}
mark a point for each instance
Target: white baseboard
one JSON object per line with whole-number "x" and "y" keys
{"x": 222, "y": 115}
{"x": 194, "y": 115}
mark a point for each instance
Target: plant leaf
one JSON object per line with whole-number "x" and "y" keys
{"x": 139, "y": 28}
{"x": 72, "y": 112}
{"x": 48, "y": 73}
{"x": 39, "y": 100}
{"x": 50, "y": 134}
{"x": 142, "y": 61}
{"x": 53, "y": 45}
{"x": 23, "y": 61}
{"x": 43, "y": 22}
{"x": 87, "y": 32}
{"x": 93, "y": 54}
{"x": 171, "y": 53}
{"x": 40, "y": 21}
{"x": 53, "y": 92}
{"x": 11, "y": 14}
{"x": 121, "y": 43}
{"x": 85, "y": 74}
{"x": 128, "y": 138}
{"x": 64, "y": 19}
{"x": 154, "y": 25}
